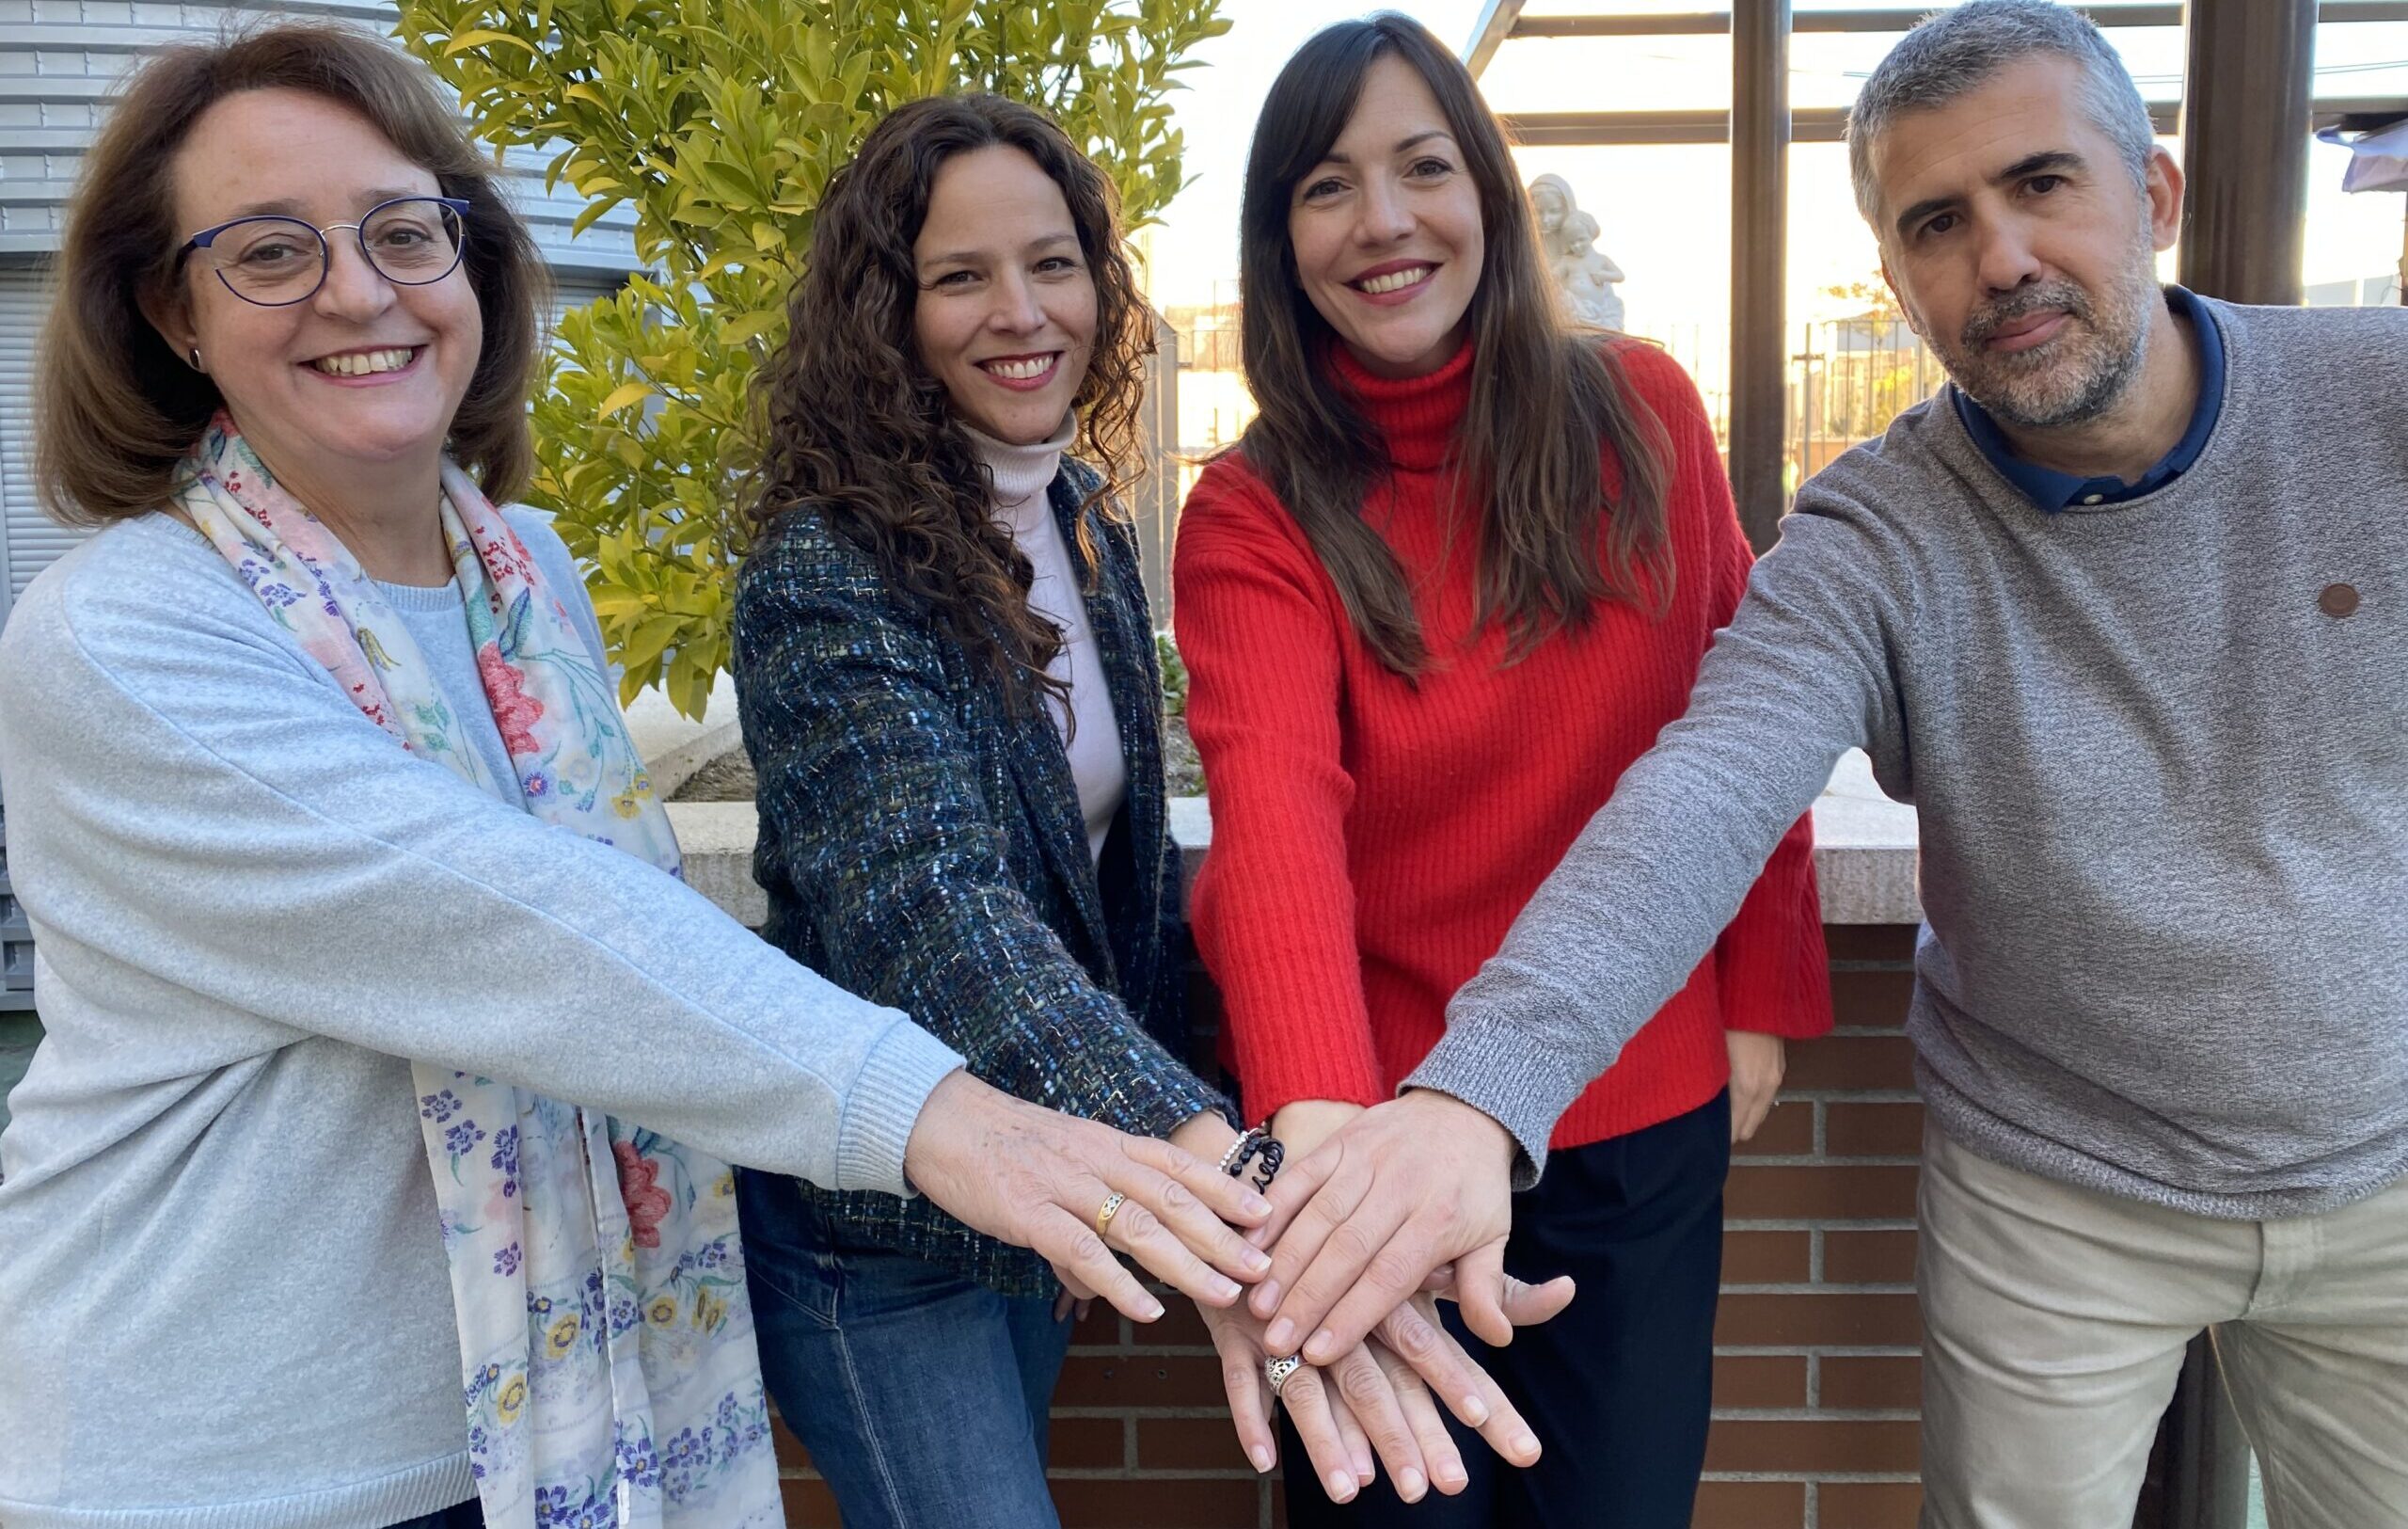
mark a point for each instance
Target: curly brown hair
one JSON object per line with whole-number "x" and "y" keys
{"x": 857, "y": 429}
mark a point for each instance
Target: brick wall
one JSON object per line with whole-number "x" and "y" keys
{"x": 1814, "y": 1348}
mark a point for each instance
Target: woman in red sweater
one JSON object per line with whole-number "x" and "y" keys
{"x": 1458, "y": 573}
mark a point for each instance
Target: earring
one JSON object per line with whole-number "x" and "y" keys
{"x": 194, "y": 355}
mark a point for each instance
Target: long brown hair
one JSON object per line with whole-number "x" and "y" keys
{"x": 1548, "y": 400}
{"x": 116, "y": 409}
{"x": 857, "y": 430}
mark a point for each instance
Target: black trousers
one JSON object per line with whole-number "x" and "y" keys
{"x": 1617, "y": 1387}
{"x": 468, "y": 1515}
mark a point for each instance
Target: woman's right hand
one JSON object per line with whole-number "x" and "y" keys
{"x": 1036, "y": 1178}
{"x": 1383, "y": 1397}
{"x": 1303, "y": 1124}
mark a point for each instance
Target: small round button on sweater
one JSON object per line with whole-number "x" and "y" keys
{"x": 2338, "y": 601}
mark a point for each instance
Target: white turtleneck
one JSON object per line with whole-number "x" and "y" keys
{"x": 1022, "y": 476}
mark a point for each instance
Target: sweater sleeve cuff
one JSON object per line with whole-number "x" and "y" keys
{"x": 1506, "y": 1071}
{"x": 1802, "y": 1021}
{"x": 903, "y": 1068}
{"x": 1158, "y": 1110}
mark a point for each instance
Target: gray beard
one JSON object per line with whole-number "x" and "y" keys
{"x": 2109, "y": 345}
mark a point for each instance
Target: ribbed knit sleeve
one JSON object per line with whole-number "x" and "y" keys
{"x": 1275, "y": 916}
{"x": 1771, "y": 967}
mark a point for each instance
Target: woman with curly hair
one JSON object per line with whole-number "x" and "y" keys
{"x": 949, "y": 692}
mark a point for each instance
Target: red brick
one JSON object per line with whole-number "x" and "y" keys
{"x": 1875, "y": 998}
{"x": 1180, "y": 1326}
{"x": 1870, "y": 1384}
{"x": 809, "y": 1505}
{"x": 1868, "y": 1504}
{"x": 1851, "y": 1320}
{"x": 1788, "y": 1132}
{"x": 1208, "y": 1443}
{"x": 1759, "y": 1380}
{"x": 1158, "y": 1503}
{"x": 1087, "y": 1444}
{"x": 1143, "y": 1380}
{"x": 1863, "y": 1129}
{"x": 1766, "y": 1257}
{"x": 1852, "y": 1257}
{"x": 1750, "y": 1505}
{"x": 1836, "y": 1062}
{"x": 1780, "y": 1447}
{"x": 791, "y": 1455}
{"x": 1102, "y": 1327}
{"x": 1892, "y": 943}
{"x": 1819, "y": 1192}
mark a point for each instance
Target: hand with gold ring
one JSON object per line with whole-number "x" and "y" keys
{"x": 1112, "y": 1203}
{"x": 1038, "y": 1179}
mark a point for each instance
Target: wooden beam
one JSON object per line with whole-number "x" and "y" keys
{"x": 1497, "y": 22}
{"x": 1715, "y": 23}
{"x": 2245, "y": 120}
{"x": 1826, "y": 124}
{"x": 1758, "y": 125}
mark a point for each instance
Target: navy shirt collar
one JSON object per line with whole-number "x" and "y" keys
{"x": 2053, "y": 490}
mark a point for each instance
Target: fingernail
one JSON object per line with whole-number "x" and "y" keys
{"x": 1410, "y": 1485}
{"x": 1323, "y": 1346}
{"x": 1341, "y": 1486}
{"x": 1150, "y": 1312}
{"x": 1452, "y": 1477}
{"x": 1525, "y": 1444}
{"x": 1281, "y": 1339}
{"x": 1257, "y": 1261}
{"x": 1473, "y": 1411}
{"x": 1255, "y": 1205}
{"x": 1261, "y": 1456}
{"x": 1266, "y": 1299}
{"x": 1226, "y": 1288}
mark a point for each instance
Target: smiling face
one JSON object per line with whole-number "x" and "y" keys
{"x": 1387, "y": 232}
{"x": 364, "y": 373}
{"x": 1006, "y": 313}
{"x": 2020, "y": 247}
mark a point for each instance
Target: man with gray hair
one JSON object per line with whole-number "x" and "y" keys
{"x": 2124, "y": 614}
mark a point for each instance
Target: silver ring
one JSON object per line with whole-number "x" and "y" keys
{"x": 1277, "y": 1371}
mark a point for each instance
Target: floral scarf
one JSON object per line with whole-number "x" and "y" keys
{"x": 605, "y": 1340}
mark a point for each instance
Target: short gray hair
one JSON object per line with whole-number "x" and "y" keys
{"x": 1955, "y": 51}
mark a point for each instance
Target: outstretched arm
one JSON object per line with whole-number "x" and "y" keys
{"x": 1802, "y": 674}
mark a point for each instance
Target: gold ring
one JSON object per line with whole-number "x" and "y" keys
{"x": 1112, "y": 1203}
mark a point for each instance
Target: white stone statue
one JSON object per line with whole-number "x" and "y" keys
{"x": 1586, "y": 273}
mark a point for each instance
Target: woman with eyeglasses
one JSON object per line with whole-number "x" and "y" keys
{"x": 373, "y": 1167}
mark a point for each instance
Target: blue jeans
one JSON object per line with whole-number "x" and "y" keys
{"x": 921, "y": 1396}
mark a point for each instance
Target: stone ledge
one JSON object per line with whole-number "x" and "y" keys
{"x": 1864, "y": 848}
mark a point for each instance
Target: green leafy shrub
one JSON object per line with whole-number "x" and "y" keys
{"x": 717, "y": 123}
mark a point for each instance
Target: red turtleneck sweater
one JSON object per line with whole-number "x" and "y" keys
{"x": 1373, "y": 841}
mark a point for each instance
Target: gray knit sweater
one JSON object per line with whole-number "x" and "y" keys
{"x": 224, "y": 1302}
{"x": 2159, "y": 753}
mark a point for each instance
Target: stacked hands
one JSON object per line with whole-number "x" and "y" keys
{"x": 1376, "y": 1215}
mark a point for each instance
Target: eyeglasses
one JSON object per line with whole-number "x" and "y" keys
{"x": 276, "y": 262}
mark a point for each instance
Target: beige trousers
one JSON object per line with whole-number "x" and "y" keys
{"x": 2055, "y": 1319}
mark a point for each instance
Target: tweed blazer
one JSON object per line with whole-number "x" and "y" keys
{"x": 922, "y": 844}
